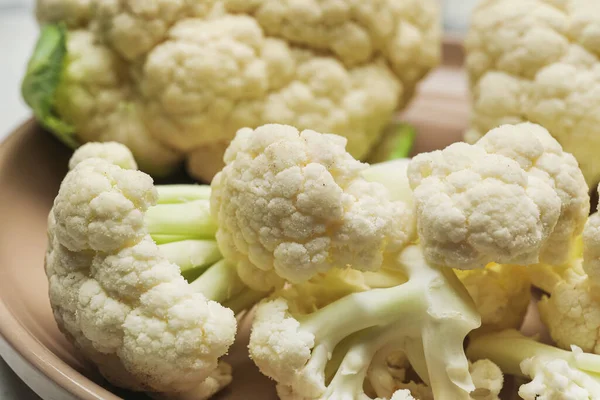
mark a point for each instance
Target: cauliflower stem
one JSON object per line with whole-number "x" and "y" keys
{"x": 182, "y": 226}
{"x": 415, "y": 316}
{"x": 555, "y": 373}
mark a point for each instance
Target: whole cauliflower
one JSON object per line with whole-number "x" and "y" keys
{"x": 175, "y": 79}
{"x": 114, "y": 294}
{"x": 537, "y": 60}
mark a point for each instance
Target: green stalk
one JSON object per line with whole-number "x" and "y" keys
{"x": 42, "y": 79}
{"x": 192, "y": 256}
{"x": 219, "y": 283}
{"x": 174, "y": 194}
{"x": 174, "y": 222}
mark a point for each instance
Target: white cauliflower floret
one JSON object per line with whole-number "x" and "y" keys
{"x": 555, "y": 379}
{"x": 101, "y": 206}
{"x": 517, "y": 172}
{"x": 116, "y": 297}
{"x": 134, "y": 27}
{"x": 554, "y": 374}
{"x": 259, "y": 80}
{"x": 464, "y": 199}
{"x": 280, "y": 348}
{"x": 488, "y": 380}
{"x": 113, "y": 152}
{"x": 175, "y": 79}
{"x": 537, "y": 60}
{"x": 356, "y": 31}
{"x": 541, "y": 155}
{"x": 295, "y": 204}
{"x": 572, "y": 311}
{"x": 96, "y": 97}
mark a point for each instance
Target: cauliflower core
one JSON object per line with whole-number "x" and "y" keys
{"x": 175, "y": 79}
{"x": 291, "y": 204}
{"x": 537, "y": 60}
{"x": 116, "y": 296}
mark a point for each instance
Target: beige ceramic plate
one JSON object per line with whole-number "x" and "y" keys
{"x": 32, "y": 165}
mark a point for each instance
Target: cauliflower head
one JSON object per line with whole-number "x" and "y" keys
{"x": 175, "y": 79}
{"x": 291, "y": 204}
{"x": 116, "y": 297}
{"x": 465, "y": 196}
{"x": 537, "y": 60}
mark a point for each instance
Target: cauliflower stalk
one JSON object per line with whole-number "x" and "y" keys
{"x": 554, "y": 374}
{"x": 537, "y": 61}
{"x": 175, "y": 79}
{"x": 294, "y": 347}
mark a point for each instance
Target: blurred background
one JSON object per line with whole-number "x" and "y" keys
{"x": 18, "y": 32}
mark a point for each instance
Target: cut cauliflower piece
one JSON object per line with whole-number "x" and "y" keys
{"x": 555, "y": 374}
{"x": 506, "y": 175}
{"x": 175, "y": 79}
{"x": 501, "y": 293}
{"x": 292, "y": 204}
{"x": 116, "y": 296}
{"x": 537, "y": 60}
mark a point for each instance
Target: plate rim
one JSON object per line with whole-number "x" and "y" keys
{"x": 22, "y": 343}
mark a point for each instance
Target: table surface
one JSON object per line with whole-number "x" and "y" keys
{"x": 18, "y": 31}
